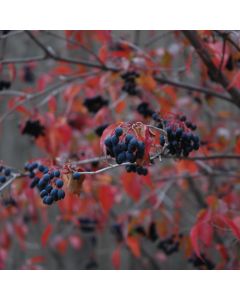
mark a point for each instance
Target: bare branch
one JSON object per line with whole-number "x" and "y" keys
{"x": 53, "y": 55}
{"x": 192, "y": 87}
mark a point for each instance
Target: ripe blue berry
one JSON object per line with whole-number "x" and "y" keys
{"x": 60, "y": 194}
{"x": 7, "y": 172}
{"x": 130, "y": 157}
{"x": 59, "y": 183}
{"x": 121, "y": 158}
{"x": 46, "y": 177}
{"x": 51, "y": 175}
{"x": 45, "y": 170}
{"x": 43, "y": 193}
{"x": 128, "y": 138}
{"x": 179, "y": 132}
{"x": 34, "y": 182}
{"x": 48, "y": 200}
{"x": 2, "y": 179}
{"x": 41, "y": 168}
{"x": 118, "y": 131}
{"x": 162, "y": 140}
{"x": 76, "y": 175}
{"x": 49, "y": 188}
{"x": 31, "y": 175}
{"x": 108, "y": 142}
{"x": 42, "y": 183}
{"x": 56, "y": 173}
{"x": 54, "y": 193}
{"x": 183, "y": 118}
{"x": 114, "y": 140}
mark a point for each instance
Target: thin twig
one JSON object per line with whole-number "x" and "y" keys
{"x": 51, "y": 54}
{"x": 191, "y": 87}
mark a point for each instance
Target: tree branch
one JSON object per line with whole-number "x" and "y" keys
{"x": 51, "y": 54}
{"x": 202, "y": 51}
{"x": 192, "y": 87}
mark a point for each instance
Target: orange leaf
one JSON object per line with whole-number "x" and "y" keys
{"x": 133, "y": 244}
{"x": 46, "y": 234}
{"x": 120, "y": 106}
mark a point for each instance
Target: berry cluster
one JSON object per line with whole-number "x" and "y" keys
{"x": 5, "y": 173}
{"x": 116, "y": 230}
{"x": 5, "y": 85}
{"x": 87, "y": 225}
{"x": 180, "y": 139}
{"x": 48, "y": 182}
{"x": 28, "y": 74}
{"x": 94, "y": 104}
{"x": 9, "y": 202}
{"x": 130, "y": 85}
{"x": 144, "y": 110}
{"x": 99, "y": 130}
{"x": 126, "y": 149}
{"x": 201, "y": 263}
{"x": 170, "y": 245}
{"x": 33, "y": 128}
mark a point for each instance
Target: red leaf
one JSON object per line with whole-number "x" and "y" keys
{"x": 132, "y": 185}
{"x": 36, "y": 259}
{"x": 230, "y": 224}
{"x": 194, "y": 235}
{"x": 133, "y": 244}
{"x": 46, "y": 234}
{"x": 116, "y": 258}
{"x": 106, "y": 196}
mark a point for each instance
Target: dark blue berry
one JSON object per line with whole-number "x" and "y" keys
{"x": 51, "y": 175}
{"x": 114, "y": 140}
{"x": 43, "y": 193}
{"x": 119, "y": 131}
{"x": 59, "y": 183}
{"x": 31, "y": 175}
{"x": 2, "y": 179}
{"x": 46, "y": 177}
{"x": 130, "y": 157}
{"x": 34, "y": 182}
{"x": 41, "y": 168}
{"x": 162, "y": 140}
{"x": 183, "y": 118}
{"x": 60, "y": 194}
{"x": 49, "y": 188}
{"x": 108, "y": 142}
{"x": 121, "y": 158}
{"x": 128, "y": 138}
{"x": 45, "y": 170}
{"x": 42, "y": 183}
{"x": 56, "y": 173}
{"x": 179, "y": 132}
{"x": 76, "y": 175}
{"x": 7, "y": 172}
{"x": 48, "y": 200}
{"x": 54, "y": 193}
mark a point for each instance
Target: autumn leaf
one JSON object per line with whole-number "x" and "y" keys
{"x": 133, "y": 244}
{"x": 116, "y": 258}
{"x": 46, "y": 234}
